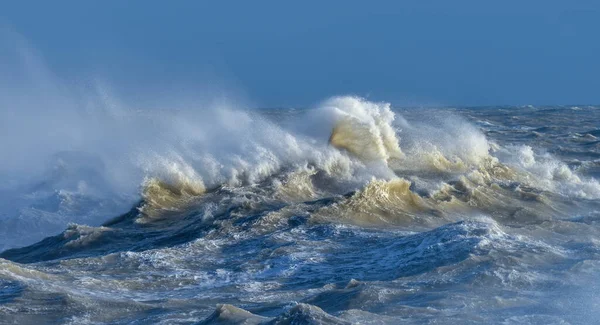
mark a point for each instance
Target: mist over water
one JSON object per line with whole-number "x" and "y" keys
{"x": 351, "y": 211}
{"x": 63, "y": 142}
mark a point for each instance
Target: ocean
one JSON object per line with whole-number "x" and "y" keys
{"x": 349, "y": 212}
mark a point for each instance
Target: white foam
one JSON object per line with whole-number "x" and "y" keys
{"x": 544, "y": 171}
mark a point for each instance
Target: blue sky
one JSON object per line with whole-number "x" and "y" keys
{"x": 279, "y": 53}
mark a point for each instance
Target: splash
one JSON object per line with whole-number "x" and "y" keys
{"x": 100, "y": 155}
{"x": 363, "y": 128}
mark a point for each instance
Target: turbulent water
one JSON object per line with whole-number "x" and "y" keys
{"x": 349, "y": 212}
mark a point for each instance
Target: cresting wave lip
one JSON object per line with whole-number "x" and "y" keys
{"x": 364, "y": 129}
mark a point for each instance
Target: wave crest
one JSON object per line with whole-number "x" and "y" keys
{"x": 364, "y": 128}
{"x": 162, "y": 197}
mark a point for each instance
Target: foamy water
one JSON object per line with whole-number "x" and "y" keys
{"x": 351, "y": 211}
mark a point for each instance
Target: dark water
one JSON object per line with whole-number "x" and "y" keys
{"x": 348, "y": 213}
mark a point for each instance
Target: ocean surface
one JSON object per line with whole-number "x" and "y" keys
{"x": 350, "y": 212}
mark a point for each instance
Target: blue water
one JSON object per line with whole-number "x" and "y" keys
{"x": 350, "y": 212}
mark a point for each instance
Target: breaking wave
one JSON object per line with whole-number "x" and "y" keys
{"x": 363, "y": 128}
{"x": 399, "y": 168}
{"x": 350, "y": 211}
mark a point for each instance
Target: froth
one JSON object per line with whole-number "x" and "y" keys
{"x": 546, "y": 172}
{"x": 363, "y": 128}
